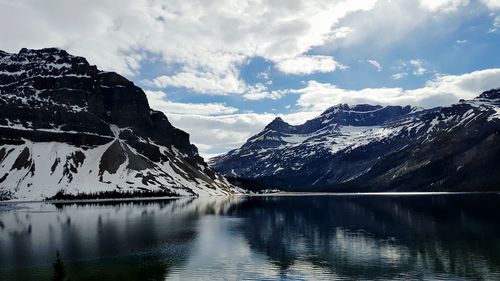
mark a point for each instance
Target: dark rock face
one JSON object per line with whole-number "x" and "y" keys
{"x": 99, "y": 129}
{"x": 374, "y": 148}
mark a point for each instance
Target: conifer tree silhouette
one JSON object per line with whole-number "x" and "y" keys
{"x": 59, "y": 271}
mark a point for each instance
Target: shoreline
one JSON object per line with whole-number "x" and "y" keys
{"x": 96, "y": 200}
{"x": 376, "y": 193}
{"x": 278, "y": 194}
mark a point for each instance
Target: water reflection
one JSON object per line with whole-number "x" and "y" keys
{"x": 300, "y": 238}
{"x": 383, "y": 237}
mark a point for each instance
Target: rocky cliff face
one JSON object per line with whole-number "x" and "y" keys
{"x": 374, "y": 148}
{"x": 65, "y": 125}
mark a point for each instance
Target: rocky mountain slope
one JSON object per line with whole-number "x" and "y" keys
{"x": 374, "y": 148}
{"x": 65, "y": 125}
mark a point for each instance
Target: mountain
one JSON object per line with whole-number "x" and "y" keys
{"x": 67, "y": 126}
{"x": 374, "y": 148}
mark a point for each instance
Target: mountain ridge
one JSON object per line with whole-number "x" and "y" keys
{"x": 346, "y": 151}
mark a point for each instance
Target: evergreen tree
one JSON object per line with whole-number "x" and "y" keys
{"x": 59, "y": 271}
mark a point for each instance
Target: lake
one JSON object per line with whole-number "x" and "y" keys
{"x": 323, "y": 237}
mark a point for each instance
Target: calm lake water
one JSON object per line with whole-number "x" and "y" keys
{"x": 424, "y": 237}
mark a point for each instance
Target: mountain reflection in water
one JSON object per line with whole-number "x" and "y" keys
{"x": 446, "y": 237}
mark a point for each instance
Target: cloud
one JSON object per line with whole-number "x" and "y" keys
{"x": 158, "y": 100}
{"x": 260, "y": 91}
{"x": 216, "y": 134}
{"x": 405, "y": 68}
{"x": 419, "y": 68}
{"x": 496, "y": 25}
{"x": 265, "y": 75}
{"x": 389, "y": 22}
{"x": 442, "y": 90}
{"x": 305, "y": 65}
{"x": 443, "y": 5}
{"x": 399, "y": 75}
{"x": 340, "y": 32}
{"x": 376, "y": 64}
{"x": 202, "y": 82}
{"x": 223, "y": 86}
{"x": 492, "y": 4}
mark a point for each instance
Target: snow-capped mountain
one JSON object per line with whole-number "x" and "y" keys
{"x": 65, "y": 125}
{"x": 375, "y": 148}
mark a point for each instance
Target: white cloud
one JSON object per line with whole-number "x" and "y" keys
{"x": 265, "y": 75}
{"x": 260, "y": 92}
{"x": 223, "y": 86}
{"x": 404, "y": 68}
{"x": 492, "y": 4}
{"x": 214, "y": 134}
{"x": 158, "y": 100}
{"x": 201, "y": 82}
{"x": 340, "y": 32}
{"x": 442, "y": 90}
{"x": 443, "y": 5}
{"x": 304, "y": 65}
{"x": 496, "y": 25}
{"x": 418, "y": 64}
{"x": 376, "y": 64}
{"x": 399, "y": 75}
{"x": 391, "y": 21}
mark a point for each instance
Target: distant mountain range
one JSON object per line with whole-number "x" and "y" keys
{"x": 370, "y": 148}
{"x": 67, "y": 127}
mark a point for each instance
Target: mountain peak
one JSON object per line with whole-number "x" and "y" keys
{"x": 44, "y": 51}
{"x": 491, "y": 94}
{"x": 46, "y": 57}
{"x": 277, "y": 124}
{"x": 359, "y": 108}
{"x": 359, "y": 115}
{"x": 278, "y": 120}
{"x": 35, "y": 65}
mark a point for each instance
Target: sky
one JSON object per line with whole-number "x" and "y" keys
{"x": 222, "y": 70}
